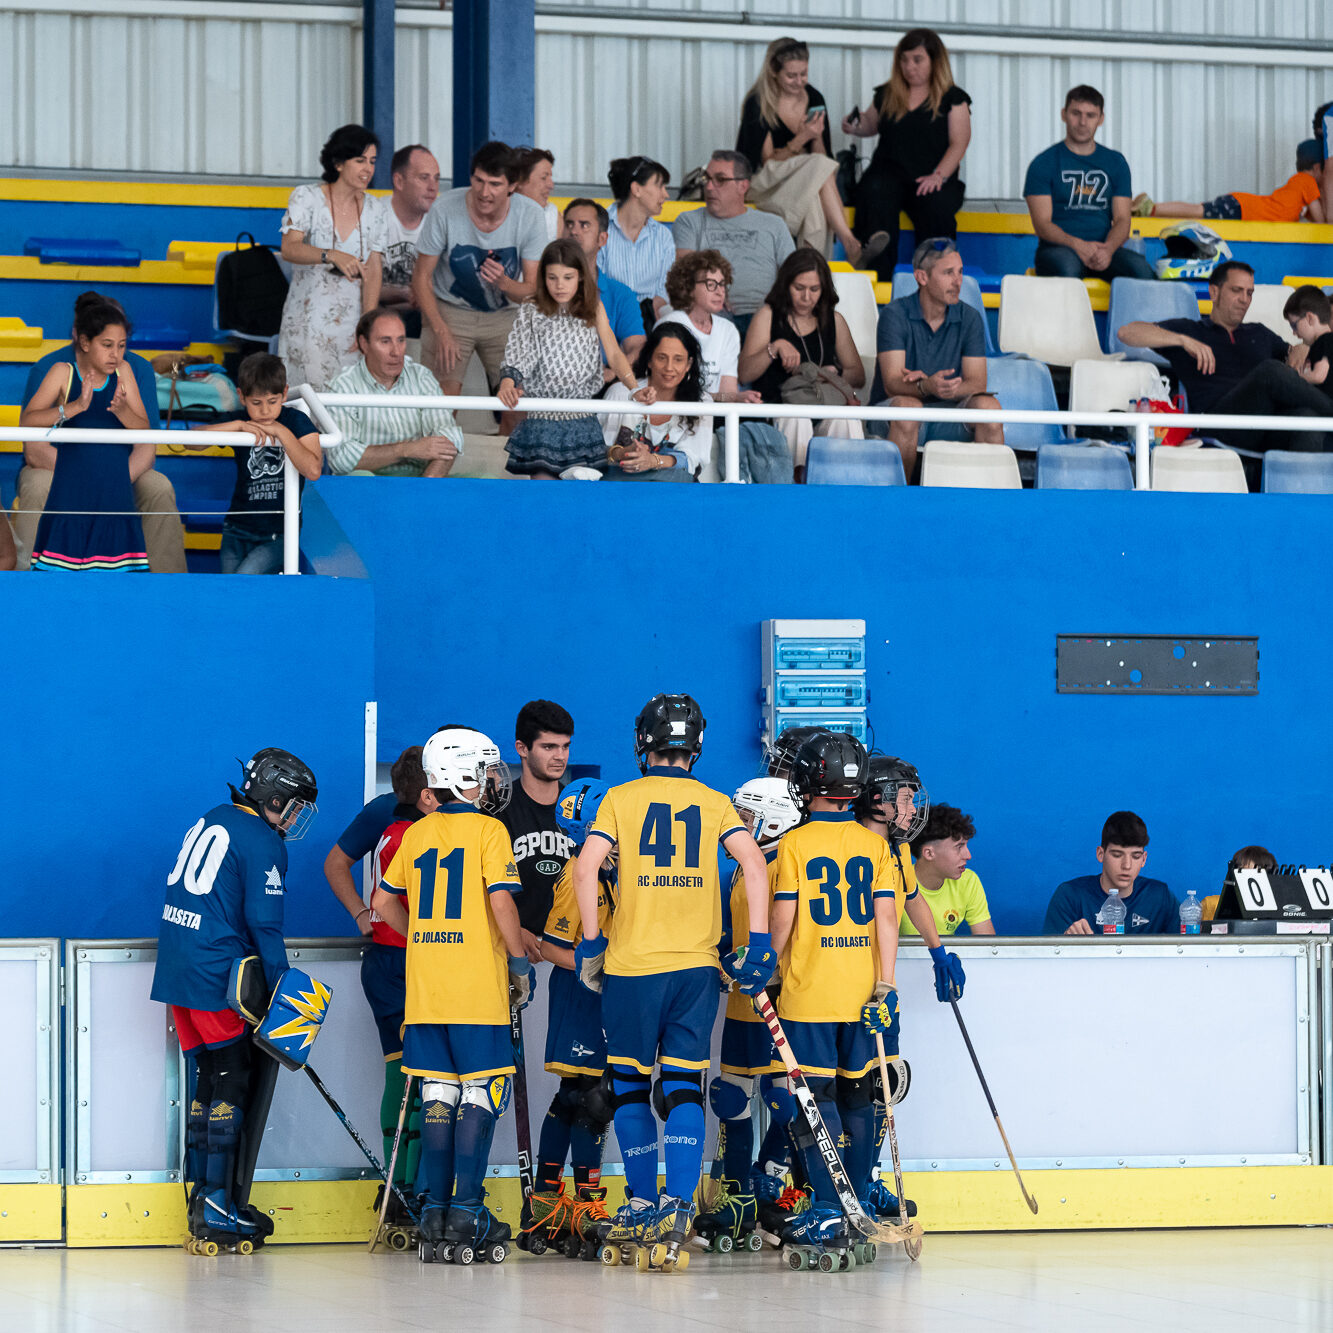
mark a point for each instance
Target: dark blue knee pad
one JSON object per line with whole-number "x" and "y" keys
{"x": 630, "y": 1088}
{"x": 854, "y": 1094}
{"x": 728, "y": 1100}
{"x": 686, "y": 1090}
{"x": 595, "y": 1102}
{"x": 781, "y": 1104}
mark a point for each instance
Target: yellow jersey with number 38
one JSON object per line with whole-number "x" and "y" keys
{"x": 447, "y": 865}
{"x": 835, "y": 871}
{"x": 668, "y": 915}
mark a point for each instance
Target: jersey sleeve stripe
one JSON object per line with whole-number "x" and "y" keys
{"x": 557, "y": 941}
{"x": 739, "y": 828}
{"x": 390, "y": 887}
{"x": 885, "y": 893}
{"x": 785, "y": 897}
{"x": 505, "y": 886}
{"x": 598, "y": 833}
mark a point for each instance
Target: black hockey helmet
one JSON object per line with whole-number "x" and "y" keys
{"x": 831, "y": 764}
{"x": 277, "y": 781}
{"x": 779, "y": 753}
{"x": 668, "y": 722}
{"x": 887, "y": 775}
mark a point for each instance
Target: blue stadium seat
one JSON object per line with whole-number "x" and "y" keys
{"x": 1149, "y": 300}
{"x": 904, "y": 284}
{"x": 1291, "y": 473}
{"x": 77, "y": 250}
{"x": 833, "y": 462}
{"x": 1024, "y": 385}
{"x": 1083, "y": 467}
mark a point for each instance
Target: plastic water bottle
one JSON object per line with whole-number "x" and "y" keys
{"x": 1191, "y": 915}
{"x": 1111, "y": 917}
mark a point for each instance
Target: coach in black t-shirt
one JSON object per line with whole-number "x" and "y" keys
{"x": 1228, "y": 366}
{"x": 542, "y": 732}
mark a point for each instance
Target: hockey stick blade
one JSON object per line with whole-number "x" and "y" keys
{"x": 865, "y": 1225}
{"x": 990, "y": 1101}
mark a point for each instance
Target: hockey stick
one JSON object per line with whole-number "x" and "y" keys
{"x": 913, "y": 1245}
{"x": 857, "y": 1216}
{"x": 976, "y": 1064}
{"x": 393, "y": 1162}
{"x": 522, "y": 1125}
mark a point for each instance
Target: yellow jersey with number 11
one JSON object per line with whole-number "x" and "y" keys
{"x": 668, "y": 915}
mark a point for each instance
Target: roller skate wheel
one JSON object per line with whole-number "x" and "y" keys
{"x": 244, "y": 1247}
{"x": 796, "y": 1260}
{"x": 189, "y": 1246}
{"x": 754, "y": 1242}
{"x": 399, "y": 1240}
{"x": 846, "y": 1260}
{"x": 826, "y": 1263}
{"x": 724, "y": 1244}
{"x": 426, "y": 1252}
{"x": 464, "y": 1254}
{"x": 533, "y": 1244}
{"x": 642, "y": 1259}
{"x": 208, "y": 1248}
{"x": 610, "y": 1255}
{"x": 498, "y": 1251}
{"x": 682, "y": 1261}
{"x": 571, "y": 1245}
{"x": 444, "y": 1252}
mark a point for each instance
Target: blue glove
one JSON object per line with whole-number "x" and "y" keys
{"x": 522, "y": 981}
{"x": 590, "y": 962}
{"x": 881, "y": 1014}
{"x": 949, "y": 976}
{"x": 754, "y": 964}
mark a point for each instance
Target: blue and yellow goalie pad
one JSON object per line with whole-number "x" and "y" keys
{"x": 296, "y": 1012}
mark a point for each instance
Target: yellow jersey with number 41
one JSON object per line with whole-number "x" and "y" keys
{"x": 447, "y": 866}
{"x": 668, "y": 915}
{"x": 835, "y": 871}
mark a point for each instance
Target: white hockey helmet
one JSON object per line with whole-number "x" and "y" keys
{"x": 468, "y": 764}
{"x": 770, "y": 803}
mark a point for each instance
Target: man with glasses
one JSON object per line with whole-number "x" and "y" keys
{"x": 753, "y": 243}
{"x": 932, "y": 354}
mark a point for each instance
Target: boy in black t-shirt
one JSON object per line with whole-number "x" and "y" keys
{"x": 252, "y": 530}
{"x": 1317, "y": 364}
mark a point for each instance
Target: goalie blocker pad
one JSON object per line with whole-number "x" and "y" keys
{"x": 247, "y": 992}
{"x": 285, "y": 1026}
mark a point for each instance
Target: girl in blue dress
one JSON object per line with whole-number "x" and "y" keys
{"x": 90, "y": 520}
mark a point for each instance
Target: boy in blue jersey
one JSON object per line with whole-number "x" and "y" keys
{"x": 660, "y": 964}
{"x": 225, "y": 902}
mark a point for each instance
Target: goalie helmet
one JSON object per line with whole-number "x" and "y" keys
{"x": 578, "y": 806}
{"x": 277, "y": 782}
{"x": 464, "y": 761}
{"x": 1193, "y": 251}
{"x": 779, "y": 753}
{"x": 888, "y": 777}
{"x": 668, "y": 722}
{"x": 769, "y": 803}
{"x": 832, "y": 764}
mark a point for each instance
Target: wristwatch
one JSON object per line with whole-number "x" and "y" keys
{"x": 323, "y": 256}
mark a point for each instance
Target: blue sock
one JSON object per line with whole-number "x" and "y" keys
{"x": 738, "y": 1151}
{"x": 224, "y": 1132}
{"x": 859, "y": 1154}
{"x": 437, "y": 1152}
{"x": 472, "y": 1152}
{"x": 636, "y": 1132}
{"x": 585, "y": 1149}
{"x": 552, "y": 1147}
{"x": 683, "y": 1137}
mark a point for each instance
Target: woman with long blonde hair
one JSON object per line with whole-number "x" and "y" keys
{"x": 784, "y": 133}
{"x": 924, "y": 125}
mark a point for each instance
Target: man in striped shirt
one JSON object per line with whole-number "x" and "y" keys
{"x": 391, "y": 441}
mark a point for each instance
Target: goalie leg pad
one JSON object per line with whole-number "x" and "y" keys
{"x": 900, "y": 1082}
{"x": 295, "y": 1014}
{"x": 492, "y": 1094}
{"x": 729, "y": 1096}
{"x": 776, "y": 1092}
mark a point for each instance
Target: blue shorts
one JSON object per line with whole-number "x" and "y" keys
{"x": 384, "y": 980}
{"x": 746, "y": 1047}
{"x": 575, "y": 1043}
{"x": 456, "y": 1052}
{"x": 666, "y": 1018}
{"x": 824, "y": 1050}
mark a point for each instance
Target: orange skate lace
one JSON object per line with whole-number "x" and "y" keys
{"x": 793, "y": 1200}
{"x": 563, "y": 1208}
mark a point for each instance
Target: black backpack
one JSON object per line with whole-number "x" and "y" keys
{"x": 250, "y": 290}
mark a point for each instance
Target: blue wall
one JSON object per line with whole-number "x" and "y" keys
{"x": 130, "y": 700}
{"x": 598, "y": 596}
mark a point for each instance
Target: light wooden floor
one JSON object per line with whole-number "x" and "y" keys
{"x": 1212, "y": 1281}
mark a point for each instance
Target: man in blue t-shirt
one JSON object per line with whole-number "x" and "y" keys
{"x": 1150, "y": 907}
{"x": 1079, "y": 195}
{"x": 588, "y": 223}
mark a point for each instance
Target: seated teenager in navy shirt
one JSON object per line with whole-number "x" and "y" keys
{"x": 1079, "y": 195}
{"x": 1150, "y": 907}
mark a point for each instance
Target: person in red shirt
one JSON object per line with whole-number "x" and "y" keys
{"x": 384, "y": 977}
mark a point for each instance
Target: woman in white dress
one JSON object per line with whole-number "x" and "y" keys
{"x": 333, "y": 235}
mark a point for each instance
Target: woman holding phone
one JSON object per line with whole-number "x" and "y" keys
{"x": 784, "y": 133}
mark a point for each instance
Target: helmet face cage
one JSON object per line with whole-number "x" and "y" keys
{"x": 768, "y": 809}
{"x": 890, "y": 791}
{"x": 295, "y": 818}
{"x": 496, "y": 786}
{"x": 780, "y": 753}
{"x": 281, "y": 784}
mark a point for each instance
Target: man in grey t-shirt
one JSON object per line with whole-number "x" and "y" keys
{"x": 477, "y": 259}
{"x": 754, "y": 244}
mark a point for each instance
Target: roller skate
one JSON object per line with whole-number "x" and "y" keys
{"x": 400, "y": 1231}
{"x": 881, "y": 1201}
{"x": 664, "y": 1236}
{"x": 587, "y": 1219}
{"x": 819, "y": 1238}
{"x": 467, "y": 1234}
{"x": 731, "y": 1222}
{"x": 776, "y": 1216}
{"x": 619, "y": 1237}
{"x": 548, "y": 1224}
{"x": 217, "y": 1226}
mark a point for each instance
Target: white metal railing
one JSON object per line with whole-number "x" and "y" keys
{"x": 317, "y": 407}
